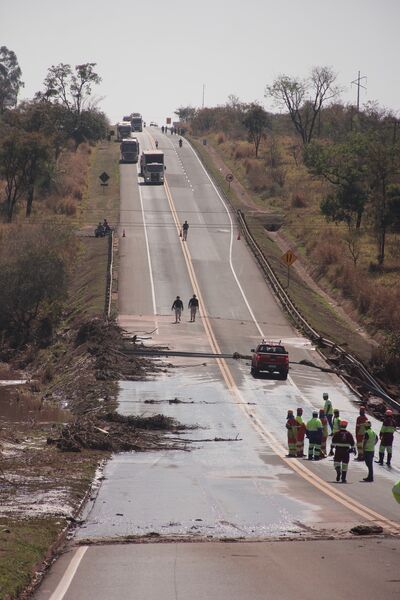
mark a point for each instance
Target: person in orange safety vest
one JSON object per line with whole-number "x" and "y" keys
{"x": 291, "y": 426}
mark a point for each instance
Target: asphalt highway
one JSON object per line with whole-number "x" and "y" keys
{"x": 242, "y": 487}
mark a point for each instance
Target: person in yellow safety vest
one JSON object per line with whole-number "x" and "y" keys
{"x": 386, "y": 436}
{"x": 335, "y": 426}
{"x": 314, "y": 434}
{"x": 291, "y": 426}
{"x": 328, "y": 408}
{"x": 343, "y": 442}
{"x": 370, "y": 440}
{"x": 396, "y": 491}
{"x": 324, "y": 421}
{"x": 301, "y": 432}
{"x": 360, "y": 433}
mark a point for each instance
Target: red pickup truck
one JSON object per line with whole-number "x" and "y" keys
{"x": 271, "y": 357}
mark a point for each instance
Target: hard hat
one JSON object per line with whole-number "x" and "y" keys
{"x": 389, "y": 412}
{"x": 343, "y": 424}
{"x": 315, "y": 413}
{"x": 325, "y": 395}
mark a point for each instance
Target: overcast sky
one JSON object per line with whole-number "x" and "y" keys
{"x": 154, "y": 55}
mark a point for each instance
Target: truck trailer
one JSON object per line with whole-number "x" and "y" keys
{"x": 136, "y": 122}
{"x": 129, "y": 149}
{"x": 152, "y": 166}
{"x": 123, "y": 130}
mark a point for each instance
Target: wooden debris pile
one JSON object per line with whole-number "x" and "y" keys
{"x": 117, "y": 433}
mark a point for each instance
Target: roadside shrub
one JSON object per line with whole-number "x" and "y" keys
{"x": 326, "y": 253}
{"x": 242, "y": 150}
{"x": 66, "y": 206}
{"x": 298, "y": 201}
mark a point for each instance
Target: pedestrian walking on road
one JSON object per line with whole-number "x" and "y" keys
{"x": 185, "y": 229}
{"x": 386, "y": 436}
{"x": 156, "y": 143}
{"x": 178, "y": 308}
{"x": 360, "y": 433}
{"x": 343, "y": 443}
{"x": 328, "y": 408}
{"x": 314, "y": 434}
{"x": 370, "y": 441}
{"x": 301, "y": 432}
{"x": 193, "y": 305}
{"x": 322, "y": 417}
{"x": 291, "y": 426}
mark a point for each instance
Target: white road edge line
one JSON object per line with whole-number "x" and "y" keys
{"x": 69, "y": 574}
{"x": 153, "y": 293}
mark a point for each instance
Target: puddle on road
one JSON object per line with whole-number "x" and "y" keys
{"x": 19, "y": 405}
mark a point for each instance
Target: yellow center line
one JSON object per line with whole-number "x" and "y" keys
{"x": 297, "y": 466}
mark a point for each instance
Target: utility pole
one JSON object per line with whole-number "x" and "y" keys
{"x": 359, "y": 85}
{"x": 204, "y": 87}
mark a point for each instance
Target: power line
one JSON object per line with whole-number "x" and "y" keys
{"x": 359, "y": 85}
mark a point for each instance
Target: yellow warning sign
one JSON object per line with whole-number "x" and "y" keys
{"x": 289, "y": 257}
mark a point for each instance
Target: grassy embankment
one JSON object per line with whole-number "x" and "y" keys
{"x": 296, "y": 216}
{"x": 25, "y": 540}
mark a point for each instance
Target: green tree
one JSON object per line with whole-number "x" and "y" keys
{"x": 25, "y": 158}
{"x": 10, "y": 79}
{"x": 256, "y": 121}
{"x": 185, "y": 113}
{"x": 345, "y": 167}
{"x": 304, "y": 98}
{"x": 383, "y": 168}
{"x": 71, "y": 89}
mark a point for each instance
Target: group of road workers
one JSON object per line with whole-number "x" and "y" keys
{"x": 327, "y": 423}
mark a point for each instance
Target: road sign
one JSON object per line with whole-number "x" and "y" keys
{"x": 104, "y": 177}
{"x": 229, "y": 177}
{"x": 289, "y": 258}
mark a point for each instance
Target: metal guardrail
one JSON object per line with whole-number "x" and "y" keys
{"x": 109, "y": 281}
{"x": 347, "y": 358}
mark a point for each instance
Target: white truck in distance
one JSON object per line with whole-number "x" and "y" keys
{"x": 152, "y": 166}
{"x": 123, "y": 130}
{"x": 129, "y": 149}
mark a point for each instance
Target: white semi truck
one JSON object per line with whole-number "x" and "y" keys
{"x": 152, "y": 166}
{"x": 123, "y": 130}
{"x": 129, "y": 150}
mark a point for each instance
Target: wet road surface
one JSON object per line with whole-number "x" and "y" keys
{"x": 242, "y": 489}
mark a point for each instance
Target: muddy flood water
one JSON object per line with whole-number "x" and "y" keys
{"x": 19, "y": 405}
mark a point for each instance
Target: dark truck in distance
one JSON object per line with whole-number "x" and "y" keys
{"x": 129, "y": 149}
{"x": 271, "y": 357}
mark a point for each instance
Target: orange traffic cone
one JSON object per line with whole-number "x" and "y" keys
{"x": 238, "y": 235}
{"x": 123, "y": 233}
